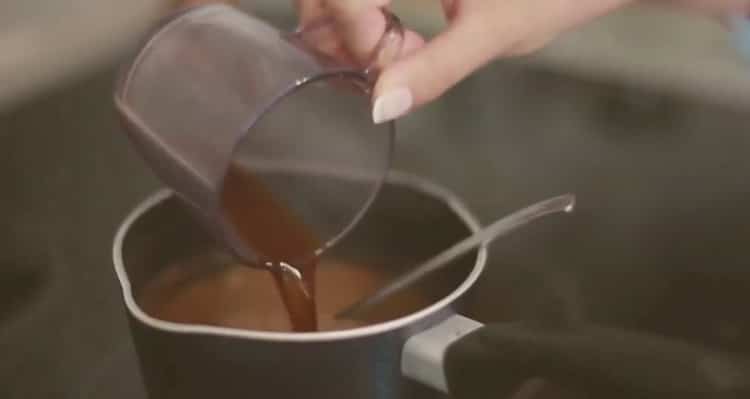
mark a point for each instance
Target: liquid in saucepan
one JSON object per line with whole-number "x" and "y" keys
{"x": 282, "y": 297}
{"x": 236, "y": 296}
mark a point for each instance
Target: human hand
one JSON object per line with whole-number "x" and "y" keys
{"x": 189, "y": 3}
{"x": 478, "y": 32}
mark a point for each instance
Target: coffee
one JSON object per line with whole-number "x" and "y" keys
{"x": 287, "y": 291}
{"x": 204, "y": 290}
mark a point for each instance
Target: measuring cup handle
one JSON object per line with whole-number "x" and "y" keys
{"x": 386, "y": 50}
{"x": 389, "y": 46}
{"x": 468, "y": 360}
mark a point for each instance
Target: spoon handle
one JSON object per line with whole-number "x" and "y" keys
{"x": 563, "y": 203}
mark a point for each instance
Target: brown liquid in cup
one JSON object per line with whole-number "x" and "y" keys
{"x": 290, "y": 296}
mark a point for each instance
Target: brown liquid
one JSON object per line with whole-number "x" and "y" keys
{"x": 203, "y": 291}
{"x": 280, "y": 237}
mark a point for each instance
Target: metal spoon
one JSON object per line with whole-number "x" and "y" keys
{"x": 563, "y": 203}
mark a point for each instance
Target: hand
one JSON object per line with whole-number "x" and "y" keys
{"x": 478, "y": 32}
{"x": 189, "y": 3}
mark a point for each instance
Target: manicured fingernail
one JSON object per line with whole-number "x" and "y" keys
{"x": 391, "y": 105}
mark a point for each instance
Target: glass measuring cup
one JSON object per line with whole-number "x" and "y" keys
{"x": 214, "y": 89}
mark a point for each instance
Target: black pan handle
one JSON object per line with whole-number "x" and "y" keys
{"x": 496, "y": 360}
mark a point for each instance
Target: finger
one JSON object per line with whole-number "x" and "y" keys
{"x": 450, "y": 8}
{"x": 431, "y": 70}
{"x": 308, "y": 10}
{"x": 413, "y": 42}
{"x": 351, "y": 9}
{"x": 190, "y": 3}
{"x": 360, "y": 24}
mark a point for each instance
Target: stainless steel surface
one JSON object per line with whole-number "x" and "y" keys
{"x": 496, "y": 229}
{"x": 197, "y": 361}
{"x": 658, "y": 242}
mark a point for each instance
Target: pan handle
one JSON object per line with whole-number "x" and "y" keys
{"x": 498, "y": 360}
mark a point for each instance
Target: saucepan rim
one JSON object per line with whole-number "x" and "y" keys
{"x": 394, "y": 177}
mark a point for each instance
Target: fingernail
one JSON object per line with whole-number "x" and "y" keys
{"x": 391, "y": 105}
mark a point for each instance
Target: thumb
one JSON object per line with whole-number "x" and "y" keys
{"x": 359, "y": 22}
{"x": 428, "y": 72}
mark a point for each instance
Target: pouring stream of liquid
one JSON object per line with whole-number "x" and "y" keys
{"x": 563, "y": 203}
